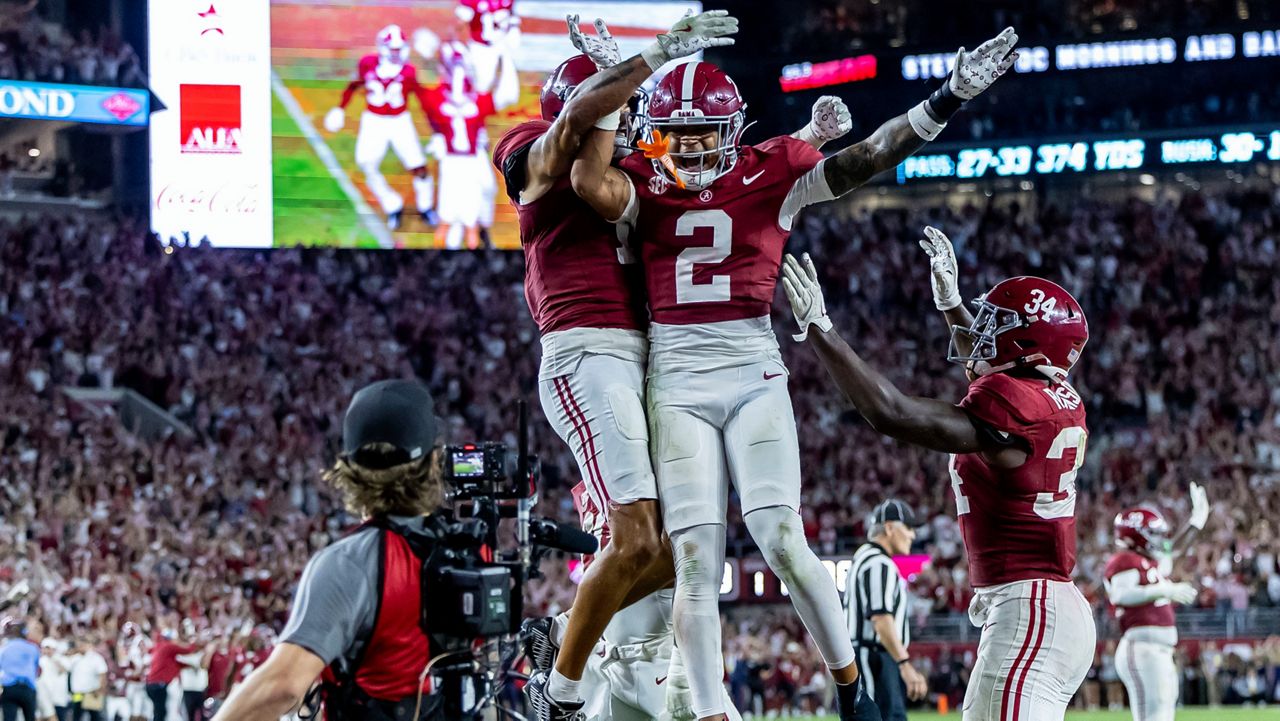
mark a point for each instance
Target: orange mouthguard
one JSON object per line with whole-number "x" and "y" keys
{"x": 659, "y": 149}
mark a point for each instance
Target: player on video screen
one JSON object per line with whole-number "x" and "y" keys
{"x": 492, "y": 32}
{"x": 388, "y": 79}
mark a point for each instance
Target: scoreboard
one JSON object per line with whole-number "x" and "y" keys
{"x": 1085, "y": 155}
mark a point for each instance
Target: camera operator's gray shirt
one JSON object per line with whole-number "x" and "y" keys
{"x": 337, "y": 600}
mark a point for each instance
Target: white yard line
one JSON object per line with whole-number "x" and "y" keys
{"x": 372, "y": 221}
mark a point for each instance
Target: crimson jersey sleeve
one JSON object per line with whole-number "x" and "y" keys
{"x": 512, "y": 152}
{"x": 800, "y": 156}
{"x": 1123, "y": 561}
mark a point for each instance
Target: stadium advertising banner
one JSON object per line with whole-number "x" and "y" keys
{"x": 74, "y": 103}
{"x": 364, "y": 123}
{"x": 211, "y": 145}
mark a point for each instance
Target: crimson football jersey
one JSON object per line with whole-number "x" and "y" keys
{"x": 1156, "y": 613}
{"x": 384, "y": 96}
{"x": 459, "y": 119}
{"x": 577, "y": 273}
{"x": 488, "y": 18}
{"x": 713, "y": 255}
{"x": 1019, "y": 524}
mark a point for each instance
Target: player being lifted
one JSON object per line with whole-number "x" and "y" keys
{"x": 1143, "y": 597}
{"x": 710, "y": 218}
{"x": 587, "y": 300}
{"x": 1017, "y": 440}
{"x": 388, "y": 80}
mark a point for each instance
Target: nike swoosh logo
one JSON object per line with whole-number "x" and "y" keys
{"x": 748, "y": 180}
{"x": 661, "y": 680}
{"x": 771, "y": 376}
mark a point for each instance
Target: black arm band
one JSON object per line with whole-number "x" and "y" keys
{"x": 943, "y": 103}
{"x": 905, "y": 660}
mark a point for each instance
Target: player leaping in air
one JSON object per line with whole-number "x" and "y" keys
{"x": 1143, "y": 597}
{"x": 388, "y": 80}
{"x": 1016, "y": 441}
{"x": 710, "y": 218}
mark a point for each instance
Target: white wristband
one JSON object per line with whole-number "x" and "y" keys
{"x": 807, "y": 135}
{"x": 946, "y": 304}
{"x": 654, "y": 56}
{"x": 610, "y": 121}
{"x": 924, "y": 125}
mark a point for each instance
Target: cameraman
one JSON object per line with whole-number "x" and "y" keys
{"x": 356, "y": 615}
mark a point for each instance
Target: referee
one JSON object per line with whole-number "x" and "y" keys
{"x": 876, "y": 611}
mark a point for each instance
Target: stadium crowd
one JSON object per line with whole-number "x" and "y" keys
{"x": 256, "y": 353}
{"x": 33, "y": 48}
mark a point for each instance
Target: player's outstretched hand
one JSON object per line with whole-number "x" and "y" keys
{"x": 1199, "y": 506}
{"x": 1183, "y": 593}
{"x": 830, "y": 119}
{"x": 602, "y": 49}
{"x": 805, "y": 294}
{"x": 691, "y": 34}
{"x": 978, "y": 70}
{"x": 943, "y": 271}
{"x": 335, "y": 119}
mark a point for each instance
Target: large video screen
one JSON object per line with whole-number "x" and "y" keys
{"x": 353, "y": 124}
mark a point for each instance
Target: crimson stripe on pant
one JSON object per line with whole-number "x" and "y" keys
{"x": 1022, "y": 652}
{"x": 1035, "y": 650}
{"x": 583, "y": 430}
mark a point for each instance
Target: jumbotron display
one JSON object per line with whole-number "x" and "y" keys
{"x": 1160, "y": 151}
{"x": 352, "y": 124}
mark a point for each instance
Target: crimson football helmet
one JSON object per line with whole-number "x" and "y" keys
{"x": 1023, "y": 322}
{"x": 562, "y": 82}
{"x": 392, "y": 46}
{"x": 697, "y": 93}
{"x": 1142, "y": 529}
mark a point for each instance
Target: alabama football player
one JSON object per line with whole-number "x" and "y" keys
{"x": 388, "y": 80}
{"x": 1016, "y": 441}
{"x": 1143, "y": 598}
{"x": 585, "y": 296}
{"x": 710, "y": 218}
{"x": 492, "y": 35}
{"x": 457, "y": 113}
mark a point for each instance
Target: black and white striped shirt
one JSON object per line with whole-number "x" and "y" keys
{"x": 874, "y": 587}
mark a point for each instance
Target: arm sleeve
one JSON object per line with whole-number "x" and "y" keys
{"x": 334, "y": 604}
{"x": 1125, "y": 589}
{"x": 627, "y": 221}
{"x": 810, "y": 188}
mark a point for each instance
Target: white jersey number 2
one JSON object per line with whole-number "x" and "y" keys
{"x": 721, "y": 225}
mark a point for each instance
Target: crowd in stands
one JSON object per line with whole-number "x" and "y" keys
{"x": 33, "y": 48}
{"x": 257, "y": 353}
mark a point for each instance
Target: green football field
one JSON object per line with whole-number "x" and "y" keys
{"x": 1184, "y": 714}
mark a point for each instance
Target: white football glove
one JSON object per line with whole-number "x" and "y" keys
{"x": 425, "y": 43}
{"x": 943, "y": 271}
{"x": 1182, "y": 593}
{"x": 1199, "y": 506}
{"x": 829, "y": 120}
{"x": 602, "y": 49}
{"x": 691, "y": 34}
{"x": 805, "y": 294}
{"x": 17, "y": 591}
{"x": 335, "y": 119}
{"x": 976, "y": 71}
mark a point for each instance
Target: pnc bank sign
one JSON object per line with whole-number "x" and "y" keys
{"x": 76, "y": 103}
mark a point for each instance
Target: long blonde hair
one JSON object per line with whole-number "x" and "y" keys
{"x": 415, "y": 488}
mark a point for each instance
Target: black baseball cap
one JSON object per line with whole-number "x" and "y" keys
{"x": 892, "y": 510}
{"x": 398, "y": 412}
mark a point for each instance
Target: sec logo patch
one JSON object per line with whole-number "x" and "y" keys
{"x": 658, "y": 185}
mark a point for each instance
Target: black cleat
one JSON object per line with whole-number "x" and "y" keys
{"x": 393, "y": 220}
{"x": 544, "y": 708}
{"x": 539, "y": 648}
{"x": 856, "y": 704}
{"x": 430, "y": 217}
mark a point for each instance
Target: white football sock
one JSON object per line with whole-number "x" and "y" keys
{"x": 562, "y": 688}
{"x": 389, "y": 199}
{"x": 699, "y": 557}
{"x": 779, "y": 533}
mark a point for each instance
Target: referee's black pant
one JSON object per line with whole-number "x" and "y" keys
{"x": 881, "y": 678}
{"x": 18, "y": 697}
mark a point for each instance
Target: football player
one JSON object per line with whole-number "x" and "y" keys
{"x": 492, "y": 35}
{"x": 388, "y": 80}
{"x": 710, "y": 217}
{"x": 1143, "y": 598}
{"x": 585, "y": 296}
{"x": 1016, "y": 441}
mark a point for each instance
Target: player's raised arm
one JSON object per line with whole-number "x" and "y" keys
{"x": 829, "y": 120}
{"x": 927, "y": 422}
{"x": 944, "y": 275}
{"x": 902, "y": 136}
{"x": 598, "y": 101}
{"x": 1195, "y": 523}
{"x": 605, "y": 188}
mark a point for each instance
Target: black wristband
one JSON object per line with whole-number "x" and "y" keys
{"x": 905, "y": 660}
{"x": 943, "y": 103}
